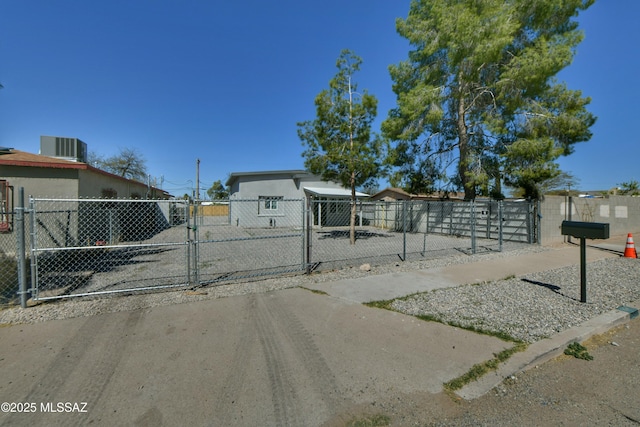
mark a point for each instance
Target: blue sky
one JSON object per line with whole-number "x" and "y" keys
{"x": 226, "y": 82}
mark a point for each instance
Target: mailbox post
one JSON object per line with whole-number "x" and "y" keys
{"x": 583, "y": 231}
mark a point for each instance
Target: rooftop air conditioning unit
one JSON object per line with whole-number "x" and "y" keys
{"x": 65, "y": 148}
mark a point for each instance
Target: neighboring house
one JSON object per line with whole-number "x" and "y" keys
{"x": 63, "y": 178}
{"x": 276, "y": 198}
{"x": 392, "y": 194}
{"x": 44, "y": 176}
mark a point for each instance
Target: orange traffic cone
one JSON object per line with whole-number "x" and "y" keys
{"x": 630, "y": 249}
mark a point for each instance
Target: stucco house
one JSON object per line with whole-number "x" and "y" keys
{"x": 67, "y": 177}
{"x": 45, "y": 176}
{"x": 277, "y": 198}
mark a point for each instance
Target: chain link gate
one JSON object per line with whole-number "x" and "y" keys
{"x": 240, "y": 239}
{"x": 96, "y": 246}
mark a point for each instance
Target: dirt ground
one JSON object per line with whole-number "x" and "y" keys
{"x": 565, "y": 391}
{"x": 300, "y": 359}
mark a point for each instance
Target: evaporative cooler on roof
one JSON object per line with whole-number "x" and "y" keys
{"x": 65, "y": 148}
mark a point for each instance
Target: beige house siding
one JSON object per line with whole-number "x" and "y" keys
{"x": 93, "y": 184}
{"x": 50, "y": 177}
{"x": 42, "y": 182}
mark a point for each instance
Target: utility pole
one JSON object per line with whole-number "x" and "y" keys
{"x": 197, "y": 179}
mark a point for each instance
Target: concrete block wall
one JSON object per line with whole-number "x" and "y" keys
{"x": 622, "y": 213}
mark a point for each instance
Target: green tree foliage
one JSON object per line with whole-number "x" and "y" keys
{"x": 217, "y": 191}
{"x": 629, "y": 188}
{"x": 478, "y": 91}
{"x": 339, "y": 143}
{"x": 128, "y": 164}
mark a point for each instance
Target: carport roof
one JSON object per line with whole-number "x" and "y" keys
{"x": 331, "y": 192}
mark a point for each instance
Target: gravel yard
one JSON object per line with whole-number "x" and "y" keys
{"x": 534, "y": 306}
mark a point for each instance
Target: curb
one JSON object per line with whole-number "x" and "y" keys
{"x": 547, "y": 349}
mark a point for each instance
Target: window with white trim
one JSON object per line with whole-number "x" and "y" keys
{"x": 268, "y": 204}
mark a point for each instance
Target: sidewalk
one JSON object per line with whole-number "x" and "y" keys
{"x": 396, "y": 285}
{"x": 390, "y": 286}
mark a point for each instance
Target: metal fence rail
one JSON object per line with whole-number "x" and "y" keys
{"x": 79, "y": 247}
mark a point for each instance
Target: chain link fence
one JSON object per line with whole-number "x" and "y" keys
{"x": 80, "y": 247}
{"x": 385, "y": 233}
{"x": 8, "y": 262}
{"x": 253, "y": 238}
{"x": 13, "y": 247}
{"x": 415, "y": 229}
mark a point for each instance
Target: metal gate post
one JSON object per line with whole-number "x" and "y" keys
{"x": 529, "y": 219}
{"x": 426, "y": 230}
{"x": 488, "y": 222}
{"x": 404, "y": 230}
{"x": 500, "y": 219}
{"x": 538, "y": 222}
{"x": 187, "y": 213}
{"x": 196, "y": 243}
{"x": 302, "y": 219}
{"x": 21, "y": 250}
{"x": 309, "y": 234}
{"x": 34, "y": 257}
{"x": 472, "y": 218}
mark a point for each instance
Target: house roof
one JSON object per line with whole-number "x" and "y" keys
{"x": 392, "y": 193}
{"x": 297, "y": 174}
{"x": 332, "y": 192}
{"x": 294, "y": 173}
{"x": 12, "y": 157}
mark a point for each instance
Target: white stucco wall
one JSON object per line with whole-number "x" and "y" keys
{"x": 247, "y": 209}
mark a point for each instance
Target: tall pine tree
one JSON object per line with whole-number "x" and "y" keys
{"x": 339, "y": 143}
{"x": 478, "y": 90}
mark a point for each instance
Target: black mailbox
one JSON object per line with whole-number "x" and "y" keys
{"x": 586, "y": 230}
